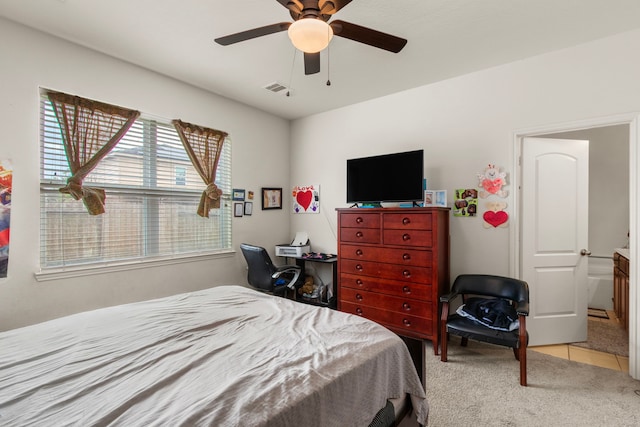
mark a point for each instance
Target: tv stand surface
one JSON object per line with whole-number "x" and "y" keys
{"x": 414, "y": 204}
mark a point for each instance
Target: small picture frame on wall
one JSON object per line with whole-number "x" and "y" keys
{"x": 238, "y": 209}
{"x": 248, "y": 208}
{"x": 238, "y": 194}
{"x": 271, "y": 198}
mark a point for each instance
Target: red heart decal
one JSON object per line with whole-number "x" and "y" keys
{"x": 495, "y": 218}
{"x": 304, "y": 199}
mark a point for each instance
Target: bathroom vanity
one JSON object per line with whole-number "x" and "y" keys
{"x": 621, "y": 286}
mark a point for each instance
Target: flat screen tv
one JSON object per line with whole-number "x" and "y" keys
{"x": 395, "y": 177}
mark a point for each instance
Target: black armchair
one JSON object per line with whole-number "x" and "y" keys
{"x": 267, "y": 277}
{"x": 492, "y": 302}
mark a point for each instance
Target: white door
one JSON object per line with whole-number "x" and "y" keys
{"x": 555, "y": 206}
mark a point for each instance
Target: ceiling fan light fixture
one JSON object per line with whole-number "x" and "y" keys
{"x": 310, "y": 35}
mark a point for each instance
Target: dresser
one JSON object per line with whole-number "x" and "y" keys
{"x": 393, "y": 265}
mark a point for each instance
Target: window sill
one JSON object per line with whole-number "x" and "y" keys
{"x": 79, "y": 271}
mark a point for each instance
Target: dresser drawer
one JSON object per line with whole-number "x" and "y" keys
{"x": 360, "y": 235}
{"x": 404, "y": 256}
{"x": 360, "y": 220}
{"x": 417, "y": 291}
{"x": 408, "y": 221}
{"x": 413, "y": 238}
{"x": 413, "y": 325}
{"x": 387, "y": 302}
{"x": 404, "y": 273}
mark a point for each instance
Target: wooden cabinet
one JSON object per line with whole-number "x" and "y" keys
{"x": 621, "y": 288}
{"x": 393, "y": 265}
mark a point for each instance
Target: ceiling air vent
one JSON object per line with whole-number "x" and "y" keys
{"x": 277, "y": 88}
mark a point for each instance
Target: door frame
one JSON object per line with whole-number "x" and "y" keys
{"x": 633, "y": 120}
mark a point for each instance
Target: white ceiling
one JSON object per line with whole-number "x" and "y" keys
{"x": 446, "y": 38}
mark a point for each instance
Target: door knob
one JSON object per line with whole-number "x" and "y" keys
{"x": 585, "y": 252}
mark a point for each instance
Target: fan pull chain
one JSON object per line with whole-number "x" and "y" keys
{"x": 291, "y": 74}
{"x": 328, "y": 60}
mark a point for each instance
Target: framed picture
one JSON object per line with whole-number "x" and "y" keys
{"x": 429, "y": 197}
{"x": 238, "y": 194}
{"x": 238, "y": 208}
{"x": 248, "y": 208}
{"x": 271, "y": 198}
{"x": 440, "y": 198}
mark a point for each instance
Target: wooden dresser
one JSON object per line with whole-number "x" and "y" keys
{"x": 393, "y": 265}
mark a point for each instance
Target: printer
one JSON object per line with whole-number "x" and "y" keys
{"x": 298, "y": 246}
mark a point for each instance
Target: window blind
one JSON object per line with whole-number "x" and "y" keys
{"x": 152, "y": 192}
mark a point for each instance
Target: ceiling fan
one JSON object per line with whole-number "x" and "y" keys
{"x": 311, "y": 33}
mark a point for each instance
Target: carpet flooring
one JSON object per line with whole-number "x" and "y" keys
{"x": 479, "y": 386}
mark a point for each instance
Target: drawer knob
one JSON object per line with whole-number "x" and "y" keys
{"x": 359, "y": 297}
{"x": 359, "y": 311}
{"x": 406, "y": 289}
{"x": 406, "y": 306}
{"x": 359, "y": 234}
{"x": 358, "y": 267}
{"x": 406, "y": 273}
{"x": 359, "y": 282}
{"x": 406, "y": 322}
{"x": 406, "y": 237}
{"x": 406, "y": 221}
{"x": 359, "y": 220}
{"x": 359, "y": 252}
{"x": 406, "y": 257}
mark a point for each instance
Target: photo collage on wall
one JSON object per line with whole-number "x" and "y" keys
{"x": 465, "y": 202}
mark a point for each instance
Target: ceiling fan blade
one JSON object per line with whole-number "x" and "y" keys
{"x": 368, "y": 36}
{"x": 252, "y": 34}
{"x": 311, "y": 63}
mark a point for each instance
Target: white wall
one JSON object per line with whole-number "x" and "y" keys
{"x": 30, "y": 60}
{"x": 463, "y": 124}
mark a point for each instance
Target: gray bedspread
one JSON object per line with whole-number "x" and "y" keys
{"x": 226, "y": 356}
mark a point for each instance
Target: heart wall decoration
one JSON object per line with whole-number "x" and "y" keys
{"x": 495, "y": 216}
{"x": 306, "y": 199}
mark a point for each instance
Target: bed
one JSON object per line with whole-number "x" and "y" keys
{"x": 225, "y": 356}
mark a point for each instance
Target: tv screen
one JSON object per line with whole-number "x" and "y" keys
{"x": 395, "y": 177}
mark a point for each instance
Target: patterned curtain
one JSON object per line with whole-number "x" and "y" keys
{"x": 204, "y": 147}
{"x": 90, "y": 130}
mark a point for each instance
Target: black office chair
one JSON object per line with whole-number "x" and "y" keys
{"x": 267, "y": 277}
{"x": 492, "y": 303}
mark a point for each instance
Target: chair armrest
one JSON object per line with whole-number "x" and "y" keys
{"x": 295, "y": 269}
{"x": 522, "y": 308}
{"x": 448, "y": 297}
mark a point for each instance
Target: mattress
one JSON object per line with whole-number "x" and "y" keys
{"x": 225, "y": 356}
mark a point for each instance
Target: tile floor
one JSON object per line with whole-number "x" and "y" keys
{"x": 583, "y": 355}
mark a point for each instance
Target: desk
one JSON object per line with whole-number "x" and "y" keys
{"x": 333, "y": 301}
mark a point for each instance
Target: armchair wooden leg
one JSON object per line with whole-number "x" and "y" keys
{"x": 464, "y": 341}
{"x": 443, "y": 347}
{"x": 443, "y": 332}
{"x": 523, "y": 366}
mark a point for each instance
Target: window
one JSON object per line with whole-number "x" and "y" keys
{"x": 152, "y": 191}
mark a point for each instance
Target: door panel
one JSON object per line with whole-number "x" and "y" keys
{"x": 555, "y": 175}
